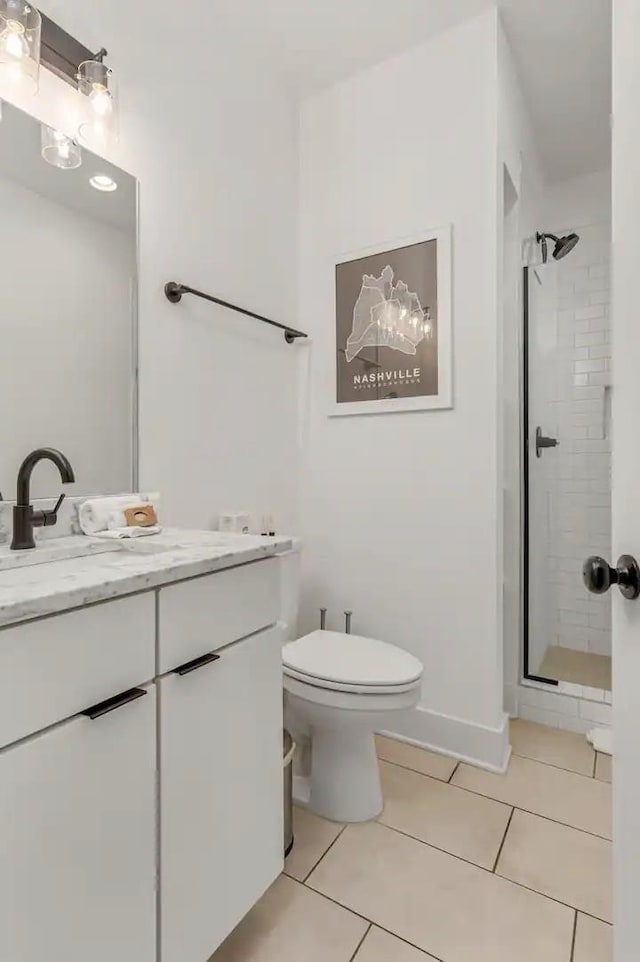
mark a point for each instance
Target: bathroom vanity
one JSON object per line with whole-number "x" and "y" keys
{"x": 140, "y": 682}
{"x": 140, "y": 745}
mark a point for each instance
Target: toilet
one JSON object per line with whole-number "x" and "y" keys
{"x": 339, "y": 690}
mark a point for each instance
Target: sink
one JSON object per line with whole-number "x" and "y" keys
{"x": 53, "y": 549}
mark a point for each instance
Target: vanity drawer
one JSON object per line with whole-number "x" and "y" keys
{"x": 54, "y": 668}
{"x": 201, "y": 615}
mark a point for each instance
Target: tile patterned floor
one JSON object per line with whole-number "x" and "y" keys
{"x": 462, "y": 866}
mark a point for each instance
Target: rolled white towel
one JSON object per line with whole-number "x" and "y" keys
{"x": 94, "y": 513}
{"x": 129, "y": 532}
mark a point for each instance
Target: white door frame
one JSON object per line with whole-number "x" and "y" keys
{"x": 626, "y": 473}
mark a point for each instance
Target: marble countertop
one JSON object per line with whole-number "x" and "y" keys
{"x": 139, "y": 564}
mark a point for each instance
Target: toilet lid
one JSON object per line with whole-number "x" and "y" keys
{"x": 341, "y": 659}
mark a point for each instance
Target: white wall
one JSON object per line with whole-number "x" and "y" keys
{"x": 214, "y": 144}
{"x": 400, "y": 512}
{"x": 578, "y": 202}
{"x": 66, "y": 338}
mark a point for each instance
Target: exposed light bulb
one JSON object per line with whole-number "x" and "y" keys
{"x": 62, "y": 144}
{"x": 100, "y": 100}
{"x": 13, "y": 42}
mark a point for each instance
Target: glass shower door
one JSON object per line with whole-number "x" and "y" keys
{"x": 567, "y": 479}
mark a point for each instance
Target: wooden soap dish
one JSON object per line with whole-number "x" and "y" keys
{"x": 141, "y": 516}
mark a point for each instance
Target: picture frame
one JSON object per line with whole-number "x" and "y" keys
{"x": 393, "y": 327}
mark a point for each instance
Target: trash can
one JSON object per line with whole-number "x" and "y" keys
{"x": 288, "y": 751}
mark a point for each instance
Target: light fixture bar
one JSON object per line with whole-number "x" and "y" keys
{"x": 60, "y": 52}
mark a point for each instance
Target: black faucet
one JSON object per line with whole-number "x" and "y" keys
{"x": 25, "y": 519}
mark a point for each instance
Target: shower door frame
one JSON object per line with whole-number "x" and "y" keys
{"x": 526, "y": 674}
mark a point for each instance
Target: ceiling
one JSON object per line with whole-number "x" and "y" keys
{"x": 562, "y": 49}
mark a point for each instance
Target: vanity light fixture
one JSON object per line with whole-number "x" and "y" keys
{"x": 20, "y": 27}
{"x": 97, "y": 85}
{"x": 103, "y": 182}
{"x": 59, "y": 150}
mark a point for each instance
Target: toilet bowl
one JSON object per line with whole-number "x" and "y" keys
{"x": 340, "y": 689}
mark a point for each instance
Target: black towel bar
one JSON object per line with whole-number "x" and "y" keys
{"x": 174, "y": 292}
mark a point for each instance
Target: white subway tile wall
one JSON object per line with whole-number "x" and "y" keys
{"x": 571, "y": 707}
{"x": 581, "y": 509}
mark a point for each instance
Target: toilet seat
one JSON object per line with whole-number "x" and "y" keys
{"x": 332, "y": 660}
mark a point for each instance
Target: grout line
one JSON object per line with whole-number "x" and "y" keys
{"x": 500, "y": 801}
{"x": 488, "y": 871}
{"x": 504, "y": 839}
{"x": 360, "y": 943}
{"x": 560, "y": 768}
{"x": 312, "y": 870}
{"x": 573, "y": 939}
{"x": 459, "y": 762}
{"x": 377, "y": 925}
{"x": 406, "y": 768}
{"x": 528, "y": 811}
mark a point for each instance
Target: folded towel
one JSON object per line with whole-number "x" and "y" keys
{"x": 94, "y": 513}
{"x": 134, "y": 532}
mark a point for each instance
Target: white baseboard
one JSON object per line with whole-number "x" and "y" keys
{"x": 476, "y": 744}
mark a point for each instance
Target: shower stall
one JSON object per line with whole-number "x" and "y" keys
{"x": 567, "y": 463}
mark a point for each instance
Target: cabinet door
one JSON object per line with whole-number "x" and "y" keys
{"x": 221, "y": 791}
{"x": 77, "y": 840}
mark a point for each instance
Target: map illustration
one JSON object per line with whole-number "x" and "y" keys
{"x": 387, "y": 314}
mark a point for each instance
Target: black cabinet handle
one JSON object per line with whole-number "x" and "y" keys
{"x": 196, "y": 663}
{"x": 104, "y": 707}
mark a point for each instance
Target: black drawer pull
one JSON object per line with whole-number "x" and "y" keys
{"x": 103, "y": 707}
{"x": 196, "y": 663}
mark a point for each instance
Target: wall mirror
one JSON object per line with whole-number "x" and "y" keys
{"x": 68, "y": 311}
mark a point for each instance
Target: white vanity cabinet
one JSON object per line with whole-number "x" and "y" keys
{"x": 141, "y": 771}
{"x": 77, "y": 840}
{"x": 221, "y": 832}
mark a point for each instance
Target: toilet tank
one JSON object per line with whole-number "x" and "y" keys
{"x": 290, "y": 589}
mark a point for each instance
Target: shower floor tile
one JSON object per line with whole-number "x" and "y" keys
{"x": 578, "y": 667}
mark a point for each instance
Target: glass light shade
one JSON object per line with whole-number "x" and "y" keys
{"x": 99, "y": 121}
{"x": 20, "y": 26}
{"x": 59, "y": 150}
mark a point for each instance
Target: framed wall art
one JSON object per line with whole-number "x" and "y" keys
{"x": 393, "y": 328}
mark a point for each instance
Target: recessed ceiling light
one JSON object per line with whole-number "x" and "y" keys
{"x": 102, "y": 182}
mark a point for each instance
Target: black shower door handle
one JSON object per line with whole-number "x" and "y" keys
{"x": 543, "y": 442}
